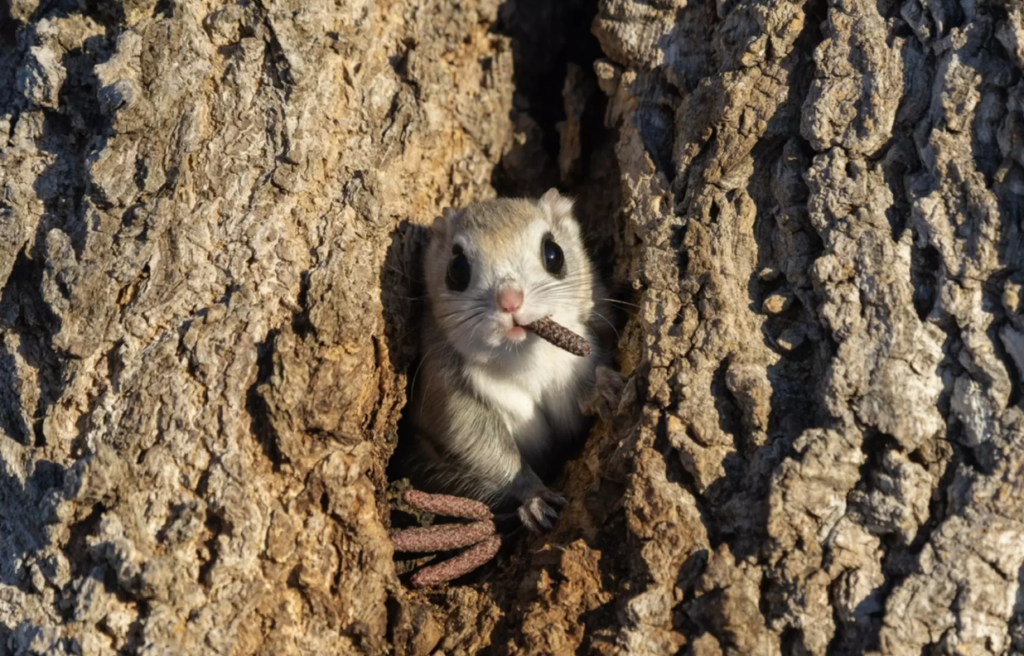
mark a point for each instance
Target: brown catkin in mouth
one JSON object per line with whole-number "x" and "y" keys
{"x": 560, "y": 336}
{"x": 464, "y": 563}
{"x": 442, "y": 537}
{"x": 447, "y": 505}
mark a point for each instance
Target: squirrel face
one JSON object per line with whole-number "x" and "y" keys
{"x": 498, "y": 265}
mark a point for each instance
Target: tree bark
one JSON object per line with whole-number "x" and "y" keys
{"x": 209, "y": 230}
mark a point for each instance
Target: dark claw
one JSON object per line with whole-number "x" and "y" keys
{"x": 536, "y": 513}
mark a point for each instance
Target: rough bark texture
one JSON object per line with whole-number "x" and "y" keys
{"x": 208, "y": 242}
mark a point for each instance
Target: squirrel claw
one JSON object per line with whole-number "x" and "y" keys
{"x": 538, "y": 514}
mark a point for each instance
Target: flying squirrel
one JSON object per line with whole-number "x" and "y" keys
{"x": 494, "y": 408}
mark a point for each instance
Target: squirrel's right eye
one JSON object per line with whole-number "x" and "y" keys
{"x": 459, "y": 271}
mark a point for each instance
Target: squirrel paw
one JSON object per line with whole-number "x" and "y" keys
{"x": 604, "y": 399}
{"x": 539, "y": 511}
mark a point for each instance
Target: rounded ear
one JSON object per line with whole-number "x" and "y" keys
{"x": 441, "y": 223}
{"x": 557, "y": 206}
{"x": 439, "y": 227}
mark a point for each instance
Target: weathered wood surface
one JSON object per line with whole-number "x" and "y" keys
{"x": 207, "y": 240}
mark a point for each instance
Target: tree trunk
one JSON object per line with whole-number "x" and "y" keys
{"x": 209, "y": 229}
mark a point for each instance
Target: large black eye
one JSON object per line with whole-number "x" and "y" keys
{"x": 554, "y": 259}
{"x": 459, "y": 270}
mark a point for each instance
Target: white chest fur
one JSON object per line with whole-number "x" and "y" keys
{"x": 536, "y": 392}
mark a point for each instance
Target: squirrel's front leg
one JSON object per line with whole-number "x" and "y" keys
{"x": 538, "y": 506}
{"x": 604, "y": 398}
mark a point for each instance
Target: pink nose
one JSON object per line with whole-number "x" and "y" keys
{"x": 510, "y": 299}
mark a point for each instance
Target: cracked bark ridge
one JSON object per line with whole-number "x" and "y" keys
{"x": 204, "y": 255}
{"x": 831, "y": 265}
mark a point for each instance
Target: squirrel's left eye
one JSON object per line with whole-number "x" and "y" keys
{"x": 459, "y": 271}
{"x": 554, "y": 259}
